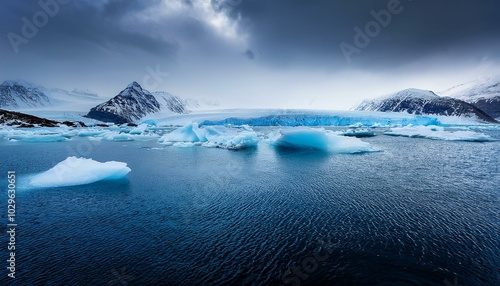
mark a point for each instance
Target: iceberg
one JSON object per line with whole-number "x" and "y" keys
{"x": 89, "y": 133}
{"x": 139, "y": 129}
{"x": 211, "y": 136}
{"x": 318, "y": 139}
{"x": 439, "y": 133}
{"x": 120, "y": 137}
{"x": 38, "y": 138}
{"x": 78, "y": 171}
{"x": 357, "y": 133}
{"x": 189, "y": 133}
{"x": 230, "y": 138}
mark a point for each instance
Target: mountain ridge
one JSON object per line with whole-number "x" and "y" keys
{"x": 420, "y": 102}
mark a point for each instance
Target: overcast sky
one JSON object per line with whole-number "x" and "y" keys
{"x": 327, "y": 54}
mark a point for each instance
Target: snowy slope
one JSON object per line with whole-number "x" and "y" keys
{"x": 171, "y": 102}
{"x": 419, "y": 102}
{"x": 25, "y": 96}
{"x": 483, "y": 93}
{"x": 15, "y": 95}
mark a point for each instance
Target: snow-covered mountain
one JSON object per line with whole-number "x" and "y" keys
{"x": 483, "y": 93}
{"x": 417, "y": 101}
{"x": 16, "y": 95}
{"x": 129, "y": 105}
{"x": 26, "y": 96}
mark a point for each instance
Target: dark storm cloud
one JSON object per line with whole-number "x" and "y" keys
{"x": 289, "y": 31}
{"x": 80, "y": 25}
{"x": 284, "y": 32}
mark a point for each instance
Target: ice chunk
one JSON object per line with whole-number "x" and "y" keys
{"x": 211, "y": 136}
{"x": 230, "y": 138}
{"x": 120, "y": 137}
{"x": 89, "y": 133}
{"x": 188, "y": 133}
{"x": 357, "y": 133}
{"x": 318, "y": 139}
{"x": 150, "y": 122}
{"x": 38, "y": 138}
{"x": 439, "y": 133}
{"x": 139, "y": 129}
{"x": 78, "y": 171}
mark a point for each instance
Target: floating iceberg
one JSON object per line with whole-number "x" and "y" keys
{"x": 211, "y": 136}
{"x": 34, "y": 135}
{"x": 34, "y": 138}
{"x": 189, "y": 133}
{"x": 318, "y": 139}
{"x": 438, "y": 133}
{"x": 89, "y": 133}
{"x": 357, "y": 133}
{"x": 120, "y": 137}
{"x": 139, "y": 129}
{"x": 78, "y": 171}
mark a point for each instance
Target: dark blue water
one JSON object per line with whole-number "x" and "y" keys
{"x": 422, "y": 212}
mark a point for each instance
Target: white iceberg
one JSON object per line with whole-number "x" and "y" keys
{"x": 439, "y": 133}
{"x": 189, "y": 133}
{"x": 211, "y": 136}
{"x": 89, "y": 133}
{"x": 318, "y": 139}
{"x": 139, "y": 129}
{"x": 79, "y": 171}
{"x": 38, "y": 138}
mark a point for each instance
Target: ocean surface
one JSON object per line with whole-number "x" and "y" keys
{"x": 422, "y": 212}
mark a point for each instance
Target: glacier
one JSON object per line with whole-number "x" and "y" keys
{"x": 318, "y": 139}
{"x": 439, "y": 133}
{"x": 322, "y": 120}
{"x": 311, "y": 118}
{"x": 211, "y": 136}
{"x": 78, "y": 171}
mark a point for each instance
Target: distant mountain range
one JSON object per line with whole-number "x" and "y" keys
{"x": 21, "y": 95}
{"x": 417, "y": 101}
{"x": 131, "y": 104}
{"x": 478, "y": 99}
